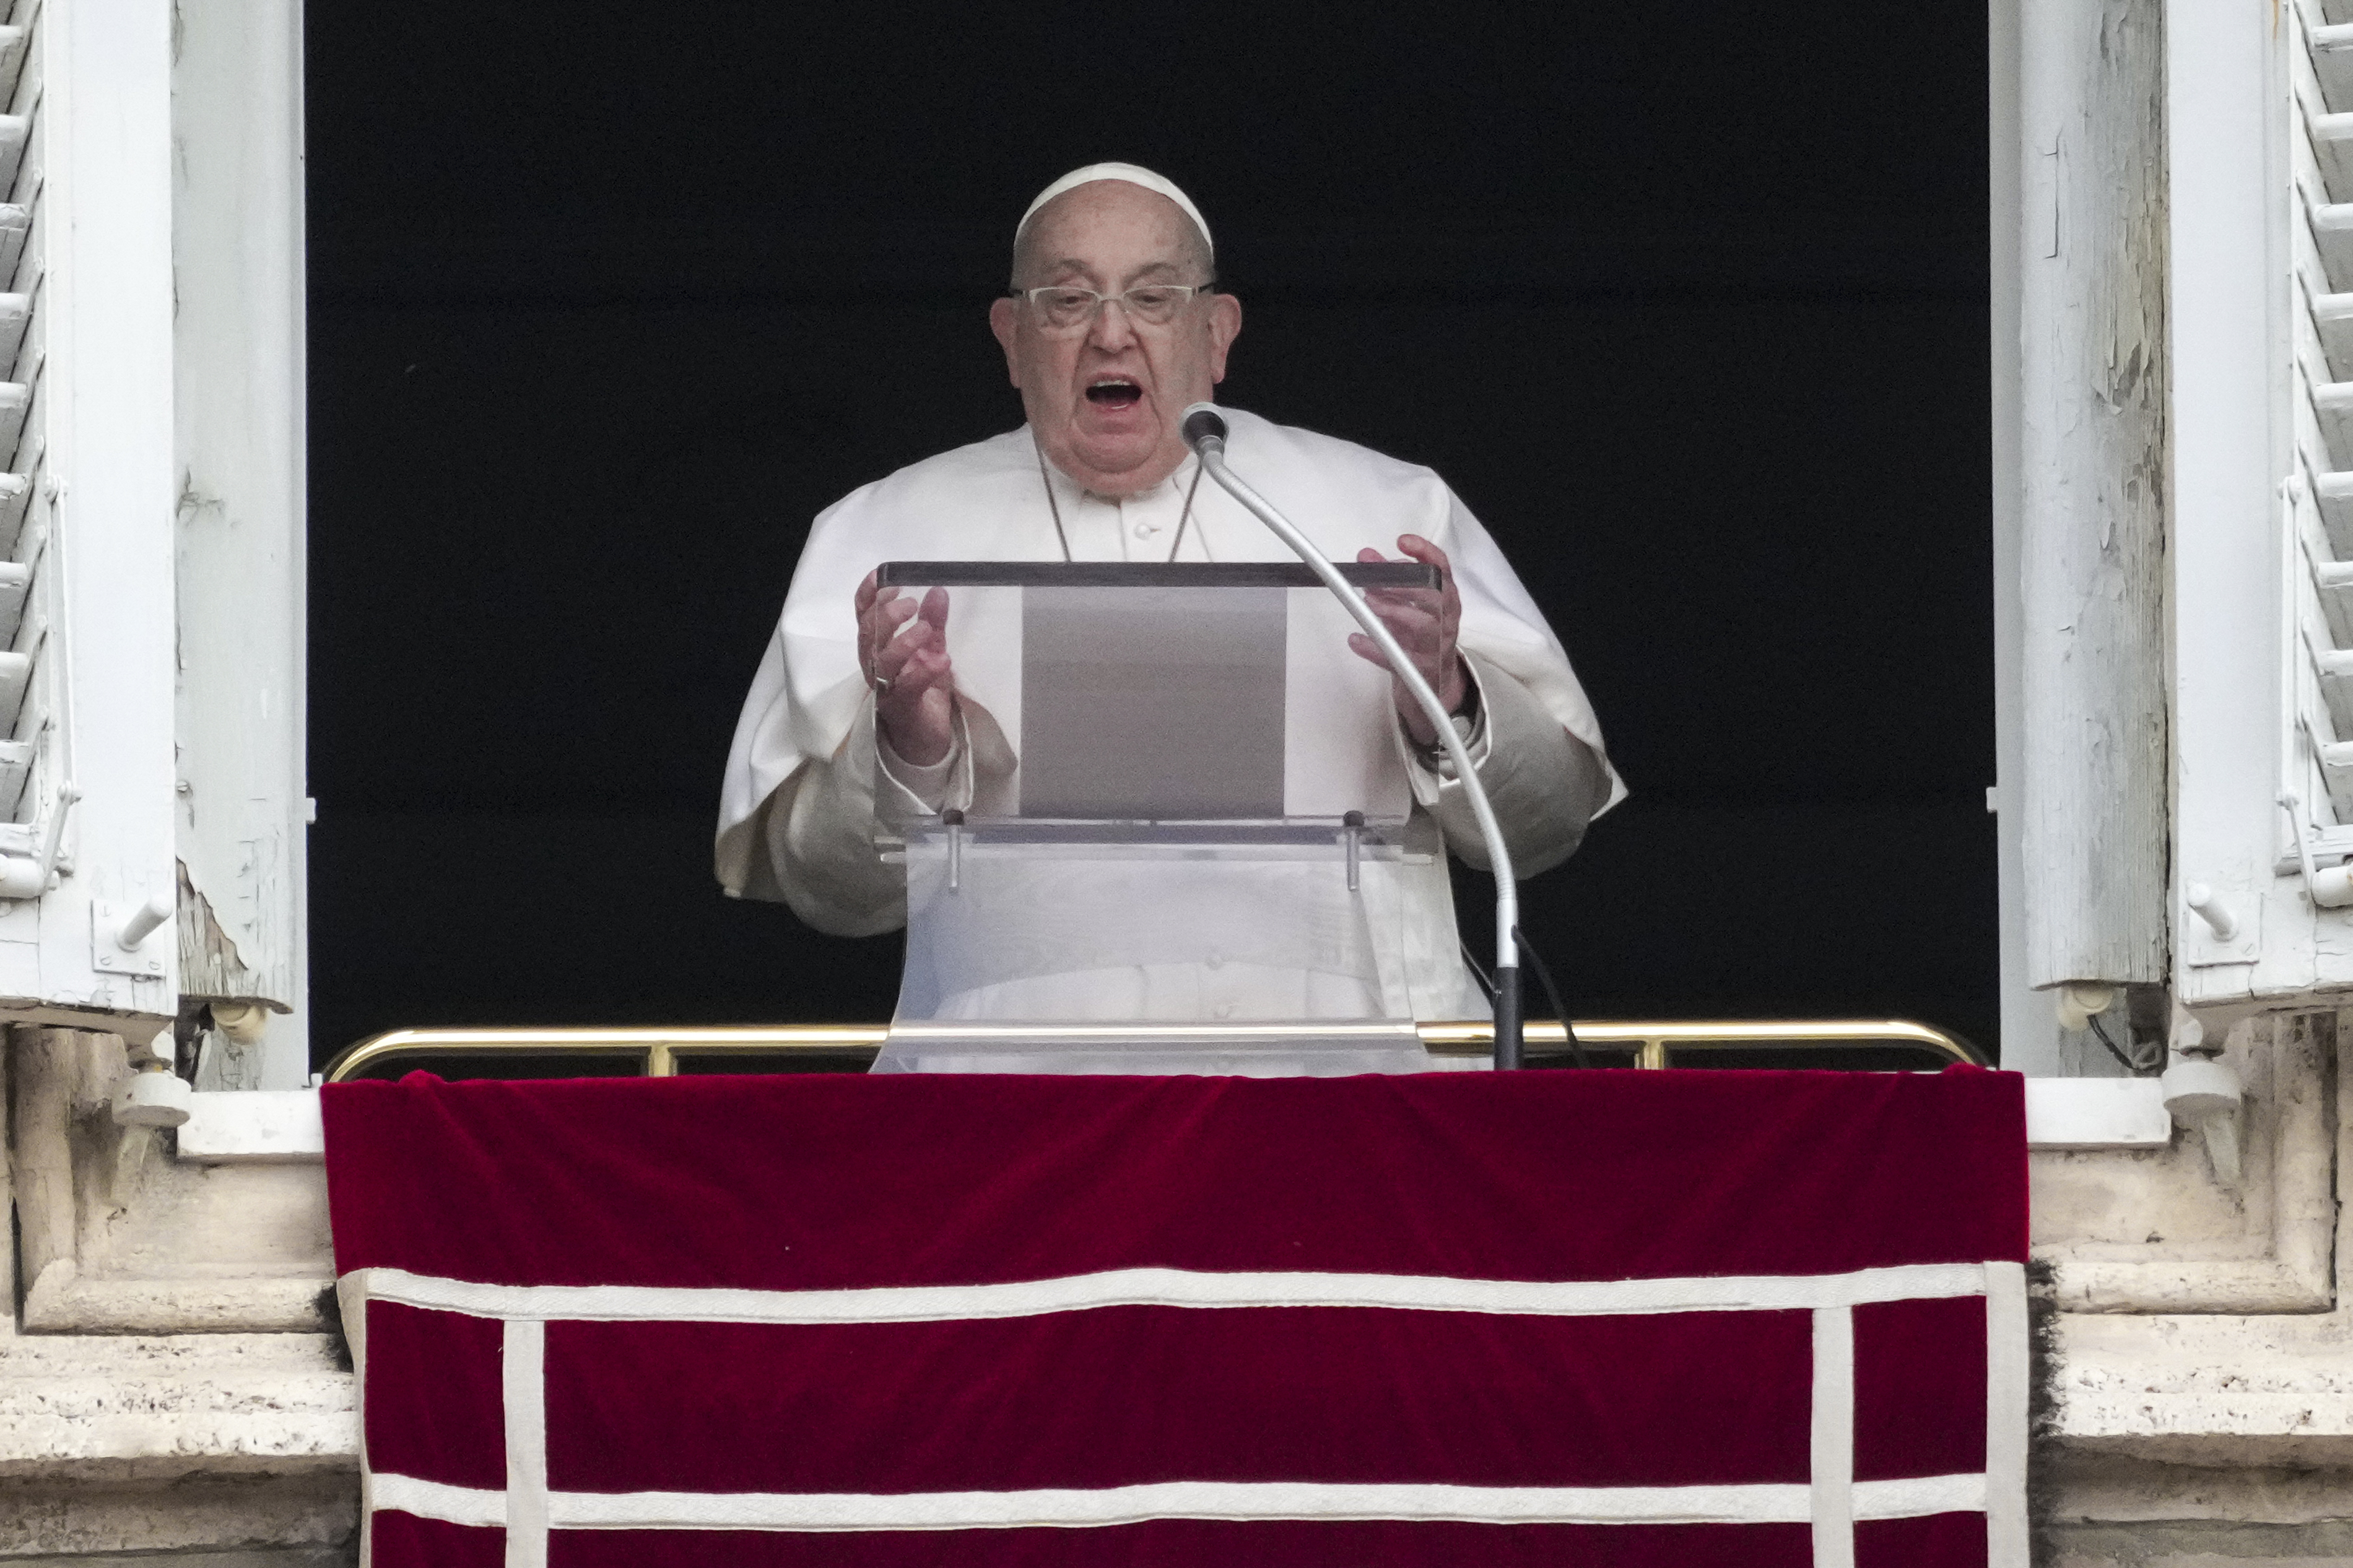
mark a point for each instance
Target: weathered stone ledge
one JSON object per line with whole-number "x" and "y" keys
{"x": 118, "y": 1410}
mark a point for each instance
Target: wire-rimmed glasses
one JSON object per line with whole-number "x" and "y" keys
{"x": 1066, "y": 308}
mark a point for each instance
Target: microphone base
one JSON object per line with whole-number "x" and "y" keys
{"x": 1510, "y": 1053}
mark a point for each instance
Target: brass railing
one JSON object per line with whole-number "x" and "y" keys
{"x": 805, "y": 1047}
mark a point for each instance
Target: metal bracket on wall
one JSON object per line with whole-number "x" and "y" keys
{"x": 119, "y": 936}
{"x": 26, "y": 875}
{"x": 2220, "y": 928}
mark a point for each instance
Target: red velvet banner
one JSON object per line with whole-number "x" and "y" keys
{"x": 1601, "y": 1317}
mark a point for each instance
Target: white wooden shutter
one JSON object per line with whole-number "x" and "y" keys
{"x": 151, "y": 477}
{"x": 2259, "y": 147}
{"x": 85, "y": 422}
{"x": 238, "y": 359}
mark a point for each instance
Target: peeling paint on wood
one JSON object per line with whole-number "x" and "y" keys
{"x": 210, "y": 963}
{"x": 2092, "y": 347}
{"x": 237, "y": 378}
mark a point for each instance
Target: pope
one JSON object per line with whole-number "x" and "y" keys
{"x": 1113, "y": 324}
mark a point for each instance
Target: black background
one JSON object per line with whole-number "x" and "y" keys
{"x": 607, "y": 301}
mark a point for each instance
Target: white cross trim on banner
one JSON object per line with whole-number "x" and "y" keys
{"x": 1178, "y": 1288}
{"x": 1255, "y": 1502}
{"x": 1831, "y": 1502}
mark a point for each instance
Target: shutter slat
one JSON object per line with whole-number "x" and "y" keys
{"x": 2333, "y": 403}
{"x": 2337, "y": 777}
{"x": 16, "y": 582}
{"x": 16, "y": 400}
{"x": 15, "y": 490}
{"x": 15, "y": 767}
{"x": 13, "y": 42}
{"x": 16, "y": 672}
{"x": 2332, "y": 147}
{"x": 2332, "y": 322}
{"x": 2332, "y": 65}
{"x": 2332, "y": 231}
{"x": 2333, "y": 580}
{"x": 15, "y": 223}
{"x": 2336, "y": 669}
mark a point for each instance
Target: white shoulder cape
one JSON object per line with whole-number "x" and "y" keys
{"x": 988, "y": 502}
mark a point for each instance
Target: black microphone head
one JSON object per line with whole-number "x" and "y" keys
{"x": 1202, "y": 422}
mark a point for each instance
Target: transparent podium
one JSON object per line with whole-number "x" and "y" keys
{"x": 1186, "y": 811}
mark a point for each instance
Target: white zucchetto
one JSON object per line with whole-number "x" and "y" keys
{"x": 1129, "y": 173}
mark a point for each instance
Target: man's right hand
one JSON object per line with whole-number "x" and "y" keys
{"x": 907, "y": 671}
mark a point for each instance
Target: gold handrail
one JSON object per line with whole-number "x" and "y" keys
{"x": 1652, "y": 1040}
{"x": 658, "y": 1049}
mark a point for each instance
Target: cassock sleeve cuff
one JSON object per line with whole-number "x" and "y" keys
{"x": 1429, "y": 773}
{"x": 904, "y": 790}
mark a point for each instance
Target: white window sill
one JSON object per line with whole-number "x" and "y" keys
{"x": 254, "y": 1127}
{"x": 282, "y": 1127}
{"x": 2096, "y": 1113}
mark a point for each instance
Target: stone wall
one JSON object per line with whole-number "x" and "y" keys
{"x": 168, "y": 1390}
{"x": 2203, "y": 1376}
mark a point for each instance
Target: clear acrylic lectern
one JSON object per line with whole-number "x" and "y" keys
{"x": 1185, "y": 807}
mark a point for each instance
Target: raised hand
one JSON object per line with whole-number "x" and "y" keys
{"x": 903, "y": 648}
{"x": 1426, "y": 627}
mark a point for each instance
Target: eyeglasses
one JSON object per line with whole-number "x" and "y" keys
{"x": 1065, "y": 308}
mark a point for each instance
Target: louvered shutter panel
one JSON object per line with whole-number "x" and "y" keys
{"x": 2260, "y": 149}
{"x": 86, "y": 590}
{"x": 2319, "y": 491}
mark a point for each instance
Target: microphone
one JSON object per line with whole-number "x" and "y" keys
{"x": 1204, "y": 429}
{"x": 1203, "y": 425}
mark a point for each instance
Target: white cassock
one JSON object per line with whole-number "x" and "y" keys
{"x": 806, "y": 785}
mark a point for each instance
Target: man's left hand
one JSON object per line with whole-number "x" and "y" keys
{"x": 1426, "y": 627}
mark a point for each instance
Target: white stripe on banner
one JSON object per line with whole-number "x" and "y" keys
{"x": 1236, "y": 1500}
{"x": 523, "y": 1379}
{"x": 1833, "y": 1438}
{"x": 438, "y": 1500}
{"x": 350, "y": 1305}
{"x": 1178, "y": 1288}
{"x": 2007, "y": 1335}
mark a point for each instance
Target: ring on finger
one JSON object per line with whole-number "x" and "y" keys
{"x": 881, "y": 684}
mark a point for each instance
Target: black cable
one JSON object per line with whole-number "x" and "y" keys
{"x": 1552, "y": 994}
{"x": 1486, "y": 986}
{"x": 2130, "y": 1065}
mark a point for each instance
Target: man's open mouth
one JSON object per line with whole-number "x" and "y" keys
{"x": 1114, "y": 393}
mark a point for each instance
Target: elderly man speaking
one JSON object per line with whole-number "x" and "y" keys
{"x": 1114, "y": 324}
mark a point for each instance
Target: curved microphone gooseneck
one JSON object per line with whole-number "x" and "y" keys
{"x": 1204, "y": 430}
